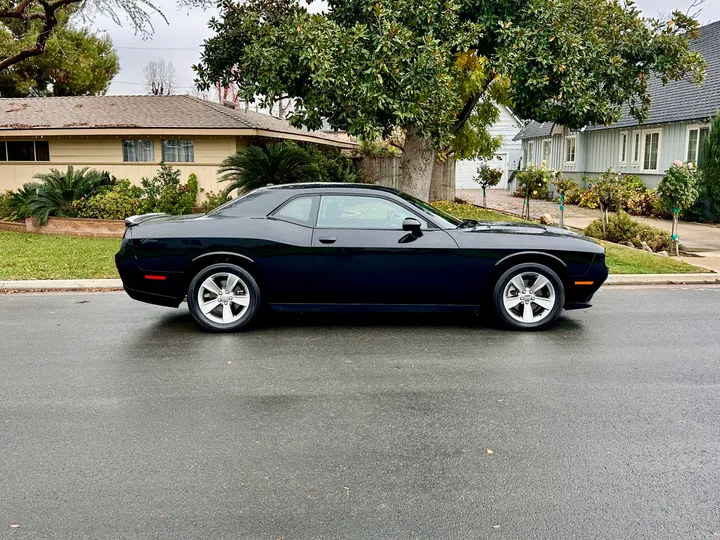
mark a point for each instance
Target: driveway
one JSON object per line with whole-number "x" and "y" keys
{"x": 121, "y": 420}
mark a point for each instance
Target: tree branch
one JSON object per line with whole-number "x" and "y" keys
{"x": 467, "y": 109}
{"x": 39, "y": 47}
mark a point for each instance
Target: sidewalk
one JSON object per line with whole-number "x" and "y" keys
{"x": 98, "y": 285}
{"x": 694, "y": 237}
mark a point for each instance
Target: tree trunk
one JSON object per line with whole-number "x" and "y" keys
{"x": 416, "y": 162}
{"x": 436, "y": 187}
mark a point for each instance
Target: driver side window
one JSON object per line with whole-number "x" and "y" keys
{"x": 353, "y": 212}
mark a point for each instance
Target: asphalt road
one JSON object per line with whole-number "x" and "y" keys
{"x": 122, "y": 420}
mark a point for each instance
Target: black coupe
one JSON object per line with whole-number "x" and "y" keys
{"x": 311, "y": 247}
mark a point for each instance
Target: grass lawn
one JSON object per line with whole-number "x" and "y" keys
{"x": 44, "y": 256}
{"x": 41, "y": 256}
{"x": 620, "y": 259}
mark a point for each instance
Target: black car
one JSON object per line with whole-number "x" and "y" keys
{"x": 353, "y": 247}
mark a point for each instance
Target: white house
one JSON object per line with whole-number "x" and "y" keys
{"x": 506, "y": 158}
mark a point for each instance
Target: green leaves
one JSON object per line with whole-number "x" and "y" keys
{"x": 679, "y": 187}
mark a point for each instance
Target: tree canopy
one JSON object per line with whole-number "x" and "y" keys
{"x": 430, "y": 66}
{"x": 29, "y": 24}
{"x": 76, "y": 62}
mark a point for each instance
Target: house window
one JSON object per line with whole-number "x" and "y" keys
{"x": 570, "y": 149}
{"x": 623, "y": 148}
{"x": 139, "y": 150}
{"x": 696, "y": 141}
{"x": 651, "y": 151}
{"x": 24, "y": 151}
{"x": 531, "y": 153}
{"x": 176, "y": 151}
{"x": 547, "y": 151}
{"x": 636, "y": 148}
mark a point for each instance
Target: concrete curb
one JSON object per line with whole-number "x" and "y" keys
{"x": 662, "y": 279}
{"x": 116, "y": 284}
{"x": 62, "y": 285}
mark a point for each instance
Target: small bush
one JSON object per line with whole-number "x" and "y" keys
{"x": 166, "y": 193}
{"x": 589, "y": 199}
{"x": 213, "y": 200}
{"x": 534, "y": 180}
{"x": 622, "y": 228}
{"x": 122, "y": 201}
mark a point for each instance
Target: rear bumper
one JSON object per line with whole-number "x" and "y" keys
{"x": 167, "y": 289}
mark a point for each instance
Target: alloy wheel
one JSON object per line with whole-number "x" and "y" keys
{"x": 223, "y": 298}
{"x": 529, "y": 297}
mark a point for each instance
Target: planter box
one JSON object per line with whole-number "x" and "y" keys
{"x": 108, "y": 228}
{"x": 13, "y": 226}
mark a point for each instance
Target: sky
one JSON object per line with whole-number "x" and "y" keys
{"x": 180, "y": 41}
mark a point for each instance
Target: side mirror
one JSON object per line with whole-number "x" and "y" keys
{"x": 412, "y": 225}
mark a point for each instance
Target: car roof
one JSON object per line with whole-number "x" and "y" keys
{"x": 332, "y": 185}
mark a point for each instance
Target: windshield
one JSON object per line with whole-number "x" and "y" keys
{"x": 442, "y": 219}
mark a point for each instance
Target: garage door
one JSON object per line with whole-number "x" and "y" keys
{"x": 465, "y": 170}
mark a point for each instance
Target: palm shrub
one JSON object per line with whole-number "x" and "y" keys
{"x": 58, "y": 191}
{"x": 678, "y": 190}
{"x": 15, "y": 204}
{"x": 487, "y": 177}
{"x": 276, "y": 163}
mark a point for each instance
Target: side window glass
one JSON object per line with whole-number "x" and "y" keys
{"x": 297, "y": 211}
{"x": 351, "y": 212}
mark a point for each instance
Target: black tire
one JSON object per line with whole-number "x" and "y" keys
{"x": 546, "y": 316}
{"x": 246, "y": 284}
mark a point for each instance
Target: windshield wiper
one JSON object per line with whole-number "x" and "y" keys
{"x": 467, "y": 223}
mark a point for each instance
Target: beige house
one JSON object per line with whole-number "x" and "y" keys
{"x": 129, "y": 136}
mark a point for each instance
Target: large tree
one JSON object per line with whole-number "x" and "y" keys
{"x": 373, "y": 66}
{"x": 76, "y": 62}
{"x": 29, "y": 24}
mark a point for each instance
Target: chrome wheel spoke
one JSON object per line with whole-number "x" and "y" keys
{"x": 527, "y": 313}
{"x": 512, "y": 301}
{"x": 545, "y": 303}
{"x": 227, "y": 316}
{"x": 241, "y": 300}
{"x": 207, "y": 307}
{"x": 232, "y": 281}
{"x": 539, "y": 284}
{"x": 518, "y": 282}
{"x": 211, "y": 286}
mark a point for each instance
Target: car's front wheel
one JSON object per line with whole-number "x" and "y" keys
{"x": 528, "y": 296}
{"x": 223, "y": 297}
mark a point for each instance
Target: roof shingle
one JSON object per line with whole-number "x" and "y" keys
{"x": 108, "y": 112}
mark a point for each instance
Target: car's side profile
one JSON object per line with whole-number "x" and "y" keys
{"x": 310, "y": 247}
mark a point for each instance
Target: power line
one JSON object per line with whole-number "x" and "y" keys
{"x": 160, "y": 48}
{"x": 144, "y": 84}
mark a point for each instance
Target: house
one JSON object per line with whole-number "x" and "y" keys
{"x": 679, "y": 121}
{"x": 128, "y": 136}
{"x": 506, "y": 158}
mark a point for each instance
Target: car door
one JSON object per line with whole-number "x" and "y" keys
{"x": 362, "y": 255}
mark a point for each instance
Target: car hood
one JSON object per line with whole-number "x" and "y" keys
{"x": 502, "y": 227}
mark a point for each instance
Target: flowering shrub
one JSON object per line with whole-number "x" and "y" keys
{"x": 679, "y": 187}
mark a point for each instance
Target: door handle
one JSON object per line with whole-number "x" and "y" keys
{"x": 327, "y": 240}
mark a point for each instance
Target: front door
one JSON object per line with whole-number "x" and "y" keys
{"x": 361, "y": 255}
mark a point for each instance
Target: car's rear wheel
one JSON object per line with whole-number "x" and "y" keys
{"x": 528, "y": 296}
{"x": 223, "y": 297}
